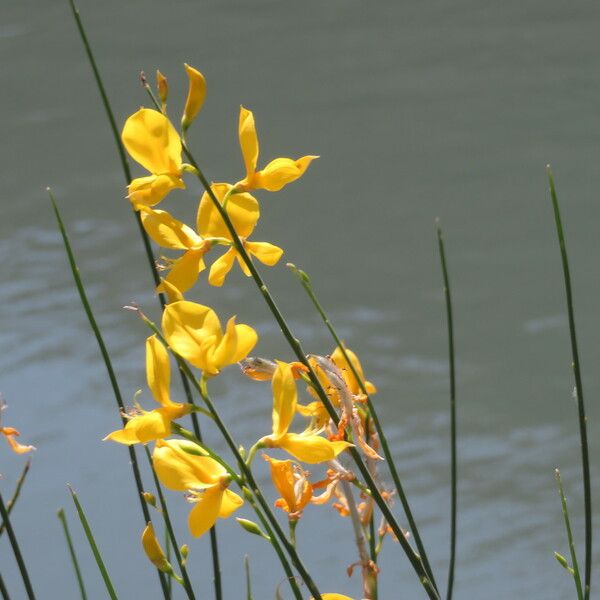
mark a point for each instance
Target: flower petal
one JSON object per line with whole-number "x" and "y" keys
{"x": 195, "y": 97}
{"x": 352, "y": 383}
{"x": 206, "y": 511}
{"x": 235, "y": 345}
{"x": 158, "y": 371}
{"x": 268, "y": 254}
{"x": 148, "y": 191}
{"x": 311, "y": 449}
{"x": 280, "y": 172}
{"x": 167, "y": 231}
{"x": 282, "y": 474}
{"x": 149, "y": 426}
{"x": 152, "y": 141}
{"x": 185, "y": 270}
{"x": 285, "y": 397}
{"x": 221, "y": 267}
{"x": 248, "y": 141}
{"x": 230, "y": 503}
{"x": 242, "y": 208}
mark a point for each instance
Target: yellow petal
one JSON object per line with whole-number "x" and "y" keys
{"x": 10, "y": 433}
{"x": 162, "y": 86}
{"x": 167, "y": 231}
{"x": 148, "y": 191}
{"x": 173, "y": 294}
{"x": 152, "y": 548}
{"x": 151, "y": 140}
{"x": 268, "y": 254}
{"x": 341, "y": 363}
{"x": 185, "y": 270}
{"x": 149, "y": 426}
{"x": 280, "y": 172}
{"x": 248, "y": 141}
{"x": 242, "y": 208}
{"x": 282, "y": 474}
{"x": 158, "y": 371}
{"x": 221, "y": 267}
{"x": 229, "y": 504}
{"x": 334, "y": 597}
{"x": 195, "y": 97}
{"x": 189, "y": 327}
{"x": 311, "y": 449}
{"x": 178, "y": 470}
{"x": 285, "y": 398}
{"x": 235, "y": 345}
{"x": 206, "y": 511}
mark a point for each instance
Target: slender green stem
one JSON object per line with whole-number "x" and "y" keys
{"x": 452, "y": 369}
{"x": 248, "y": 579}
{"x": 11, "y": 503}
{"x": 63, "y": 520}
{"x": 585, "y": 461}
{"x": 187, "y": 584}
{"x": 90, "y": 537}
{"x": 168, "y": 555}
{"x": 565, "y": 511}
{"x": 109, "y": 368}
{"x": 307, "y": 285}
{"x": 147, "y": 247}
{"x": 3, "y": 590}
{"x": 16, "y": 550}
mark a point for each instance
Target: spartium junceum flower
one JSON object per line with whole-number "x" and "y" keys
{"x": 308, "y": 446}
{"x": 153, "y": 142}
{"x": 244, "y": 212}
{"x": 155, "y": 424}
{"x": 194, "y": 332}
{"x": 10, "y": 434}
{"x": 277, "y": 173}
{"x": 291, "y": 481}
{"x": 181, "y": 467}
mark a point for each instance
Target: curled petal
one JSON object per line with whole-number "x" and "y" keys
{"x": 237, "y": 342}
{"x": 248, "y": 141}
{"x": 285, "y": 398}
{"x": 152, "y": 141}
{"x": 158, "y": 371}
{"x": 311, "y": 449}
{"x": 195, "y": 97}
{"x": 242, "y": 208}
{"x": 179, "y": 470}
{"x": 167, "y": 231}
{"x": 230, "y": 503}
{"x": 149, "y": 426}
{"x": 153, "y": 550}
{"x": 268, "y": 254}
{"x": 10, "y": 433}
{"x": 221, "y": 267}
{"x": 185, "y": 270}
{"x": 148, "y": 191}
{"x": 279, "y": 172}
{"x": 173, "y": 294}
{"x": 206, "y": 511}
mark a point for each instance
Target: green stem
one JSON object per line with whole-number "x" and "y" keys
{"x": 452, "y": 369}
{"x": 72, "y": 553}
{"x": 248, "y": 580}
{"x": 585, "y": 461}
{"x": 90, "y": 537}
{"x": 306, "y": 284}
{"x": 3, "y": 590}
{"x": 109, "y": 368}
{"x": 565, "y": 511}
{"x": 11, "y": 503}
{"x": 186, "y": 583}
{"x": 16, "y": 550}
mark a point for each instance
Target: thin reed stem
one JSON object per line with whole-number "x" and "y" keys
{"x": 307, "y": 286}
{"x": 11, "y": 503}
{"x": 452, "y": 369}
{"x": 565, "y": 510}
{"x": 3, "y": 590}
{"x": 585, "y": 461}
{"x": 63, "y": 520}
{"x": 187, "y": 584}
{"x": 147, "y": 248}
{"x": 16, "y": 550}
{"x": 90, "y": 537}
{"x": 109, "y": 368}
{"x": 248, "y": 580}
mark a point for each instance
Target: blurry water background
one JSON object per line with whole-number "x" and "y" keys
{"x": 419, "y": 110}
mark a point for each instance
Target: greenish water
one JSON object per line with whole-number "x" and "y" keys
{"x": 418, "y": 110}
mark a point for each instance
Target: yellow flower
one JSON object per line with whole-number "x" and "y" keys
{"x": 155, "y": 424}
{"x": 292, "y": 483}
{"x": 203, "y": 478}
{"x": 277, "y": 173}
{"x": 195, "y": 97}
{"x": 338, "y": 358}
{"x": 170, "y": 233}
{"x": 194, "y": 332}
{"x": 244, "y": 213}
{"x": 152, "y": 141}
{"x": 307, "y": 447}
{"x": 153, "y": 550}
{"x": 10, "y": 433}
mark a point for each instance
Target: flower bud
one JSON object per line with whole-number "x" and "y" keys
{"x": 195, "y": 98}
{"x": 153, "y": 550}
{"x": 149, "y": 498}
{"x": 163, "y": 88}
{"x": 184, "y": 550}
{"x": 252, "y": 527}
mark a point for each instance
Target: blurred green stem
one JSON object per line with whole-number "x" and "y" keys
{"x": 11, "y": 503}
{"x": 63, "y": 520}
